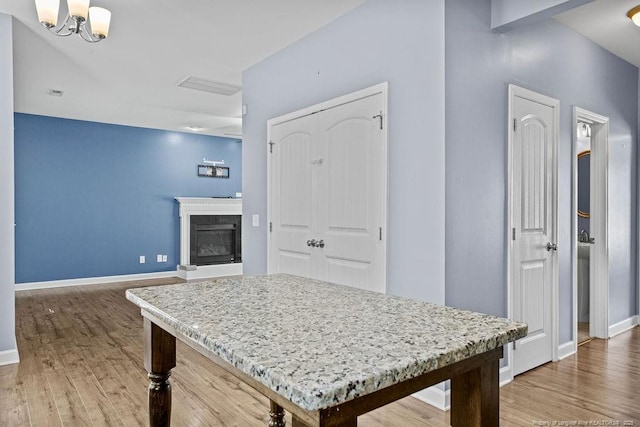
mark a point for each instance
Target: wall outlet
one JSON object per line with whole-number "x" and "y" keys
{"x": 164, "y": 258}
{"x": 142, "y": 259}
{"x": 159, "y": 258}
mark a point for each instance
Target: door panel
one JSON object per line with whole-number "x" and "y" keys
{"x": 292, "y": 210}
{"x": 351, "y": 192}
{"x": 533, "y": 216}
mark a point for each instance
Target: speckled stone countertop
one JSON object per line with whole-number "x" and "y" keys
{"x": 319, "y": 344}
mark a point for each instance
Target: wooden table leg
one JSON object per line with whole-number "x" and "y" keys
{"x": 159, "y": 359}
{"x": 276, "y": 415}
{"x": 348, "y": 422}
{"x": 475, "y": 397}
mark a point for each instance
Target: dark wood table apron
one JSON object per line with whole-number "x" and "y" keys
{"x": 475, "y": 393}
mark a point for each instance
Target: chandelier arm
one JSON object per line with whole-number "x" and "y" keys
{"x": 86, "y": 36}
{"x": 74, "y": 25}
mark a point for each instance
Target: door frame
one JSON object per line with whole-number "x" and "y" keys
{"x": 555, "y": 105}
{"x": 381, "y": 88}
{"x": 598, "y": 254}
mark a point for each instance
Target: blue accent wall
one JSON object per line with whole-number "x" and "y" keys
{"x": 92, "y": 197}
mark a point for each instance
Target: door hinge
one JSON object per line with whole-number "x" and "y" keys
{"x": 515, "y": 124}
{"x": 270, "y": 227}
{"x": 271, "y": 143}
{"x": 514, "y": 345}
{"x": 380, "y": 234}
{"x": 513, "y": 233}
{"x": 380, "y": 117}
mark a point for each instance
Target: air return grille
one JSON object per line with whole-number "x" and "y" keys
{"x": 209, "y": 86}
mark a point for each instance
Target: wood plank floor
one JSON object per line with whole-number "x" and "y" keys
{"x": 81, "y": 352}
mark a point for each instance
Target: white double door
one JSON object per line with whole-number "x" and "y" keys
{"x": 327, "y": 195}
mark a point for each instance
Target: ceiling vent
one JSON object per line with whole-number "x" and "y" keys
{"x": 55, "y": 92}
{"x": 209, "y": 86}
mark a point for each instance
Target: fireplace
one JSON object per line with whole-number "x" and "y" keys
{"x": 215, "y": 239}
{"x": 210, "y": 237}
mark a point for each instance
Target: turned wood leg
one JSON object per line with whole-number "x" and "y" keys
{"x": 475, "y": 397}
{"x": 159, "y": 359}
{"x": 348, "y": 422}
{"x": 276, "y": 415}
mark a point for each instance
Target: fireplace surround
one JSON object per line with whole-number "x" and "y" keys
{"x": 210, "y": 237}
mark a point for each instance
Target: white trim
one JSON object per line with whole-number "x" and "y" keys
{"x": 9, "y": 357}
{"x": 514, "y": 90}
{"x": 506, "y": 375}
{"x": 567, "y": 349}
{"x": 440, "y": 398}
{"x": 93, "y": 280}
{"x": 335, "y": 102}
{"x": 209, "y": 271}
{"x": 623, "y": 326}
{"x": 381, "y": 88}
{"x": 435, "y": 396}
{"x": 599, "y": 254}
{"x": 201, "y": 206}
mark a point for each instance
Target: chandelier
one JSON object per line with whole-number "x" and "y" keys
{"x": 92, "y": 30}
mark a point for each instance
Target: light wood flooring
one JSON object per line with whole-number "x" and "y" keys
{"x": 81, "y": 352}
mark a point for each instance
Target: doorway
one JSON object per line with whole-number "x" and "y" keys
{"x": 590, "y": 231}
{"x": 327, "y": 189}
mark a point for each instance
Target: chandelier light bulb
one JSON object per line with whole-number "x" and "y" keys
{"x": 78, "y": 8}
{"x": 48, "y": 12}
{"x": 100, "y": 19}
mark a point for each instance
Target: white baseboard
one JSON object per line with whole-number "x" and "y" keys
{"x": 623, "y": 326}
{"x": 435, "y": 396}
{"x": 567, "y": 349}
{"x": 9, "y": 357}
{"x": 505, "y": 375}
{"x": 209, "y": 271}
{"x": 440, "y": 397}
{"x": 93, "y": 280}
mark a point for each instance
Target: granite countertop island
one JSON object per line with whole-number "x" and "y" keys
{"x": 319, "y": 344}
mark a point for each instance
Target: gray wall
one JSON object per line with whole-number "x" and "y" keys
{"x": 7, "y": 304}
{"x": 556, "y": 61}
{"x": 401, "y": 42}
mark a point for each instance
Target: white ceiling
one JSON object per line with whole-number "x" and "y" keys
{"x": 130, "y": 78}
{"x": 606, "y": 23}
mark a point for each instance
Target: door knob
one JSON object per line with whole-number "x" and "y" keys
{"x": 320, "y": 244}
{"x": 312, "y": 243}
{"x": 552, "y": 246}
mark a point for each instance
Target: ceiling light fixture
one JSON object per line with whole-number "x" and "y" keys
{"x": 634, "y": 15}
{"x": 76, "y": 20}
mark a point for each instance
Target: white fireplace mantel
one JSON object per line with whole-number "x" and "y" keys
{"x": 204, "y": 206}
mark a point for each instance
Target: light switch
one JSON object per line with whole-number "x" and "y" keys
{"x": 256, "y": 220}
{"x": 159, "y": 258}
{"x": 142, "y": 259}
{"x": 164, "y": 258}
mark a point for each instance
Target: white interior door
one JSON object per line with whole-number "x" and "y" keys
{"x": 534, "y": 224}
{"x": 292, "y": 205}
{"x": 351, "y": 194}
{"x": 328, "y": 192}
